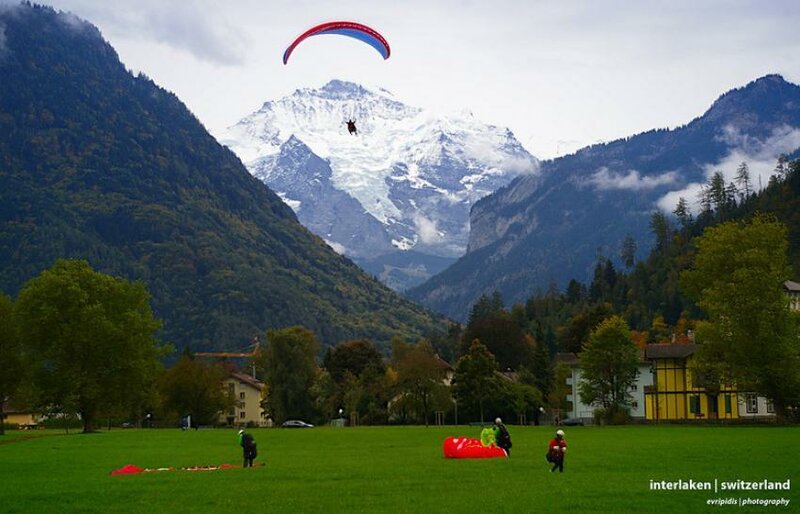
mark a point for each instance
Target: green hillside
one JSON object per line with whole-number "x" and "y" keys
{"x": 102, "y": 165}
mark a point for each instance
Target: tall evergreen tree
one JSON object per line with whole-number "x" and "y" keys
{"x": 743, "y": 181}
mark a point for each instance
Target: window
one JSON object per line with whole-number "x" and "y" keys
{"x": 634, "y": 387}
{"x": 232, "y": 412}
{"x": 634, "y": 405}
{"x": 752, "y": 404}
{"x": 770, "y": 406}
{"x": 694, "y": 404}
{"x": 241, "y": 415}
{"x": 728, "y": 404}
{"x": 232, "y": 388}
{"x": 241, "y": 395}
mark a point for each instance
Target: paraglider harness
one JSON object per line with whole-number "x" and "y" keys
{"x": 503, "y": 437}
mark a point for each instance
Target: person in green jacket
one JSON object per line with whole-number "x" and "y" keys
{"x": 487, "y": 437}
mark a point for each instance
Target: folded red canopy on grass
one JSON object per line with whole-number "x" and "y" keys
{"x": 127, "y": 469}
{"x": 466, "y": 448}
{"x": 130, "y": 469}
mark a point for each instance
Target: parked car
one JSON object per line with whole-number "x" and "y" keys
{"x": 572, "y": 422}
{"x": 296, "y": 423}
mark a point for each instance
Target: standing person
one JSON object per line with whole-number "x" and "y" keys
{"x": 351, "y": 127}
{"x": 501, "y": 436}
{"x": 558, "y": 448}
{"x": 249, "y": 451}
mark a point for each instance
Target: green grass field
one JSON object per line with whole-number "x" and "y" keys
{"x": 393, "y": 469}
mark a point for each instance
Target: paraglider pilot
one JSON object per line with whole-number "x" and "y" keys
{"x": 555, "y": 454}
{"x": 351, "y": 127}
{"x": 249, "y": 451}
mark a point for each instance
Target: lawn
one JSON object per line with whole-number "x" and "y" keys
{"x": 393, "y": 469}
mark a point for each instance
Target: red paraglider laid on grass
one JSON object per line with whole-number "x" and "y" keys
{"x": 130, "y": 469}
{"x": 466, "y": 448}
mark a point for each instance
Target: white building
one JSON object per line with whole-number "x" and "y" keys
{"x": 585, "y": 412}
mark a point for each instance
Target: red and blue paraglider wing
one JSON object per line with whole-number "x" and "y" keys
{"x": 344, "y": 28}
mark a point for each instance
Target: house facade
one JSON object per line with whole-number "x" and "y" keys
{"x": 247, "y": 393}
{"x": 23, "y": 418}
{"x": 584, "y": 412}
{"x": 676, "y": 394}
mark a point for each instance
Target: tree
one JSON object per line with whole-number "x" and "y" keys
{"x": 420, "y": 374}
{"x": 716, "y": 191}
{"x": 540, "y": 363}
{"x": 194, "y": 388}
{"x": 474, "y": 379}
{"x": 659, "y": 224}
{"x": 737, "y": 280}
{"x": 290, "y": 370}
{"x": 11, "y": 361}
{"x": 486, "y": 307}
{"x": 609, "y": 367}
{"x": 358, "y": 364}
{"x": 628, "y": 251}
{"x": 503, "y": 337}
{"x": 682, "y": 213}
{"x": 575, "y": 292}
{"x": 743, "y": 181}
{"x": 93, "y": 339}
{"x": 557, "y": 397}
{"x": 353, "y": 356}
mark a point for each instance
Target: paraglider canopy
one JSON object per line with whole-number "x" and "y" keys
{"x": 344, "y": 28}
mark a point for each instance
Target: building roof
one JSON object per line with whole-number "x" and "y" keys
{"x": 443, "y": 364}
{"x": 792, "y": 287}
{"x": 247, "y": 379}
{"x": 669, "y": 351}
{"x": 570, "y": 359}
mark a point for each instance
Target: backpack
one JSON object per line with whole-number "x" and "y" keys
{"x": 249, "y": 445}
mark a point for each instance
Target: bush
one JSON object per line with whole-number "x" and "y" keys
{"x": 612, "y": 416}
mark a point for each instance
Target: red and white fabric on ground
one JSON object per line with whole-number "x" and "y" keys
{"x": 466, "y": 448}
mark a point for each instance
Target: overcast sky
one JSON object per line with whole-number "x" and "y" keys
{"x": 559, "y": 74}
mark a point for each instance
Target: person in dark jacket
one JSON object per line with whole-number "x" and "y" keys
{"x": 249, "y": 451}
{"x": 501, "y": 436}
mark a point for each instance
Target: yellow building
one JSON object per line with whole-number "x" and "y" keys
{"x": 23, "y": 418}
{"x": 248, "y": 394}
{"x": 674, "y": 394}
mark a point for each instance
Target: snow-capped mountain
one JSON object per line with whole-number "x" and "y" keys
{"x": 406, "y": 181}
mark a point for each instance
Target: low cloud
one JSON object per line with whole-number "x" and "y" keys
{"x": 604, "y": 179}
{"x": 198, "y": 28}
{"x": 338, "y": 248}
{"x": 761, "y": 157}
{"x": 426, "y": 229}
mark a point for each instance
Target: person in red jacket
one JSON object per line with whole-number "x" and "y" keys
{"x": 558, "y": 448}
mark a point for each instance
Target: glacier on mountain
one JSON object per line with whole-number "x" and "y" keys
{"x": 413, "y": 172}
